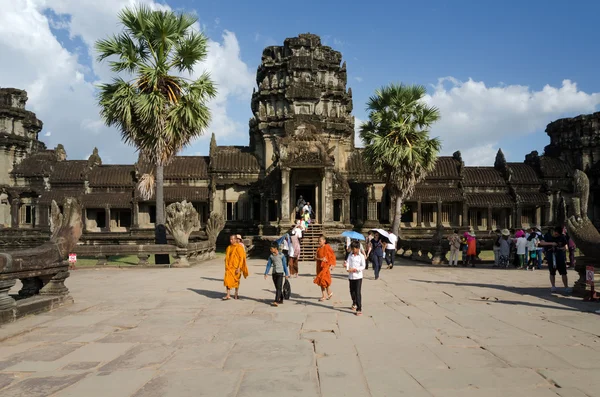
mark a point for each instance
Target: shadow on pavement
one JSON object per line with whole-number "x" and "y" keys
{"x": 573, "y": 304}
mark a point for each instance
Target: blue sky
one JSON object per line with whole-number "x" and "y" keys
{"x": 498, "y": 57}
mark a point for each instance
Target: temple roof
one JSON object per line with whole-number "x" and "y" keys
{"x": 356, "y": 163}
{"x": 532, "y": 198}
{"x": 433, "y": 194}
{"x": 523, "y": 174}
{"x": 111, "y": 175}
{"x": 552, "y": 167}
{"x": 58, "y": 195}
{"x": 495, "y": 200}
{"x": 445, "y": 168}
{"x": 483, "y": 176}
{"x": 237, "y": 159}
{"x": 39, "y": 164}
{"x": 187, "y": 167}
{"x": 179, "y": 193}
{"x": 102, "y": 199}
{"x": 71, "y": 171}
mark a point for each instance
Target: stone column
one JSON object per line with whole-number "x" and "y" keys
{"x": 327, "y": 194}
{"x": 136, "y": 215}
{"x": 419, "y": 214}
{"x": 489, "y": 215}
{"x": 439, "y": 213}
{"x": 14, "y": 212}
{"x": 518, "y": 213}
{"x": 465, "y": 215}
{"x": 106, "y": 219}
{"x": 84, "y": 218}
{"x": 285, "y": 195}
{"x": 224, "y": 203}
{"x": 346, "y": 209}
{"x": 538, "y": 217}
{"x": 43, "y": 215}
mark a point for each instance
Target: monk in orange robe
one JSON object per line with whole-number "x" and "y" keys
{"x": 325, "y": 261}
{"x": 235, "y": 266}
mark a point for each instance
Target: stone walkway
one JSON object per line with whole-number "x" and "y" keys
{"x": 425, "y": 331}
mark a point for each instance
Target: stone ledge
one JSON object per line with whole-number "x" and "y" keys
{"x": 34, "y": 305}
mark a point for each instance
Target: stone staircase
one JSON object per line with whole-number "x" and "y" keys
{"x": 310, "y": 242}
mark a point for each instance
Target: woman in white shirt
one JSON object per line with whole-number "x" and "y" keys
{"x": 355, "y": 264}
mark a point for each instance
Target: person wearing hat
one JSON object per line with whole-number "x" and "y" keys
{"x": 504, "y": 248}
{"x": 471, "y": 247}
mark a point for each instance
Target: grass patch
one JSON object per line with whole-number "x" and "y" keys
{"x": 117, "y": 260}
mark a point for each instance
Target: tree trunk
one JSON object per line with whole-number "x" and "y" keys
{"x": 397, "y": 217}
{"x": 160, "y": 231}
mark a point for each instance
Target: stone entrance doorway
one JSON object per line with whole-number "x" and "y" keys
{"x": 308, "y": 194}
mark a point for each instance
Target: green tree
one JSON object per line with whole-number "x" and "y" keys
{"x": 158, "y": 106}
{"x": 396, "y": 139}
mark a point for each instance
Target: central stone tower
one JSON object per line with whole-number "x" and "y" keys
{"x": 302, "y": 130}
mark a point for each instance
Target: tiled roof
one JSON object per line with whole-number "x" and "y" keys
{"x": 180, "y": 193}
{"x": 101, "y": 199}
{"x": 111, "y": 175}
{"x": 523, "y": 174}
{"x": 445, "y": 168}
{"x": 483, "y": 200}
{"x": 554, "y": 168}
{"x": 58, "y": 195}
{"x": 356, "y": 163}
{"x": 237, "y": 159}
{"x": 533, "y": 198}
{"x": 39, "y": 164}
{"x": 483, "y": 176}
{"x": 430, "y": 194}
{"x": 69, "y": 171}
{"x": 189, "y": 193}
{"x": 187, "y": 167}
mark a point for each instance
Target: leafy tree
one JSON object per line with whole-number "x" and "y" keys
{"x": 397, "y": 142}
{"x": 156, "y": 108}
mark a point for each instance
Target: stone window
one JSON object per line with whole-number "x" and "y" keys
{"x": 383, "y": 213}
{"x": 408, "y": 216}
{"x": 272, "y": 210}
{"x": 428, "y": 213}
{"x": 447, "y": 214}
{"x": 231, "y": 214}
{"x": 337, "y": 210}
{"x": 527, "y": 216}
{"x": 256, "y": 210}
{"x": 26, "y": 214}
{"x": 477, "y": 217}
{"x": 151, "y": 212}
{"x": 101, "y": 218}
{"x": 120, "y": 218}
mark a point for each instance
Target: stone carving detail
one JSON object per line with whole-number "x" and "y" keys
{"x": 303, "y": 147}
{"x": 214, "y": 225}
{"x": 61, "y": 153}
{"x": 94, "y": 159}
{"x": 182, "y": 219}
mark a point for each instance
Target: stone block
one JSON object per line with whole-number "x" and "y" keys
{"x": 103, "y": 352}
{"x": 213, "y": 382}
{"x": 209, "y": 355}
{"x": 271, "y": 354}
{"x": 114, "y": 384}
{"x": 300, "y": 382}
{"x": 341, "y": 377}
{"x": 42, "y": 386}
{"x": 142, "y": 356}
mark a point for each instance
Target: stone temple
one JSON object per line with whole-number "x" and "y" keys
{"x": 301, "y": 142}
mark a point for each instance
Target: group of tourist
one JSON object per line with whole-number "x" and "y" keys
{"x": 304, "y": 212}
{"x": 524, "y": 249}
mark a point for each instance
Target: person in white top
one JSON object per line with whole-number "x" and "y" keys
{"x": 390, "y": 250}
{"x": 521, "y": 249}
{"x": 355, "y": 264}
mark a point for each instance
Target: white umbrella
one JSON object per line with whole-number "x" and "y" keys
{"x": 382, "y": 233}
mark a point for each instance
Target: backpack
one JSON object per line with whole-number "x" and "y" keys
{"x": 287, "y": 289}
{"x": 497, "y": 243}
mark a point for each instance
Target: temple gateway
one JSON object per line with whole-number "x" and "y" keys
{"x": 301, "y": 142}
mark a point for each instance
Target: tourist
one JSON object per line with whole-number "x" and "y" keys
{"x": 325, "y": 261}
{"x": 295, "y": 250}
{"x": 463, "y": 249}
{"x": 454, "y": 242}
{"x": 355, "y": 264}
{"x": 285, "y": 246}
{"x": 521, "y": 244}
{"x": 375, "y": 253}
{"x": 504, "y": 249}
{"x": 540, "y": 249}
{"x": 471, "y": 247}
{"x": 496, "y": 248}
{"x": 235, "y": 266}
{"x": 368, "y": 244}
{"x": 310, "y": 210}
{"x": 299, "y": 206}
{"x": 557, "y": 259}
{"x": 532, "y": 243}
{"x": 279, "y": 264}
{"x": 512, "y": 256}
{"x": 390, "y": 250}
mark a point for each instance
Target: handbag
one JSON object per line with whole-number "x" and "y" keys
{"x": 287, "y": 289}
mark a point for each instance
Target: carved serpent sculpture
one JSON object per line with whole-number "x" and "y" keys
{"x": 580, "y": 227}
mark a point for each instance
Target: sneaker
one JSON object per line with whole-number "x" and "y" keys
{"x": 553, "y": 289}
{"x": 568, "y": 291}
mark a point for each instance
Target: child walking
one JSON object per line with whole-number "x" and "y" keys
{"x": 355, "y": 264}
{"x": 280, "y": 268}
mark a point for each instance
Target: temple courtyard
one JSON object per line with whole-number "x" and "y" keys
{"x": 426, "y": 331}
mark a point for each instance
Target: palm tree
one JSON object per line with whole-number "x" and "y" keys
{"x": 156, "y": 109}
{"x": 397, "y": 142}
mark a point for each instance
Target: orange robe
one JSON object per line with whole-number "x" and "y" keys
{"x": 235, "y": 259}
{"x": 323, "y": 278}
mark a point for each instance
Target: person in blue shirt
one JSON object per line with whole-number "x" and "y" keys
{"x": 279, "y": 264}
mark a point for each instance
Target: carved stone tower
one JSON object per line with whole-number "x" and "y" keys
{"x": 19, "y": 131}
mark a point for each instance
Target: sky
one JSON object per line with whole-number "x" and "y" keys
{"x": 498, "y": 71}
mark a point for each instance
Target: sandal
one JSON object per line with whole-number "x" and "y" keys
{"x": 330, "y": 295}
{"x": 353, "y": 307}
{"x": 359, "y": 313}
{"x": 226, "y": 298}
{"x": 322, "y": 299}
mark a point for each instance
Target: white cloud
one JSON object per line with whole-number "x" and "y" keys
{"x": 48, "y": 133}
{"x": 359, "y": 79}
{"x": 58, "y": 90}
{"x": 478, "y": 119}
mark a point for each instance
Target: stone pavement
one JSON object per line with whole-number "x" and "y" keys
{"x": 426, "y": 331}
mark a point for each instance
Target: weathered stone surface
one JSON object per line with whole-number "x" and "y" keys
{"x": 42, "y": 386}
{"x": 182, "y": 219}
{"x": 213, "y": 382}
{"x": 115, "y": 384}
{"x": 301, "y": 382}
{"x": 275, "y": 354}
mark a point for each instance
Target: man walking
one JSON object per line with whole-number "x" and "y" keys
{"x": 556, "y": 247}
{"x": 390, "y": 250}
